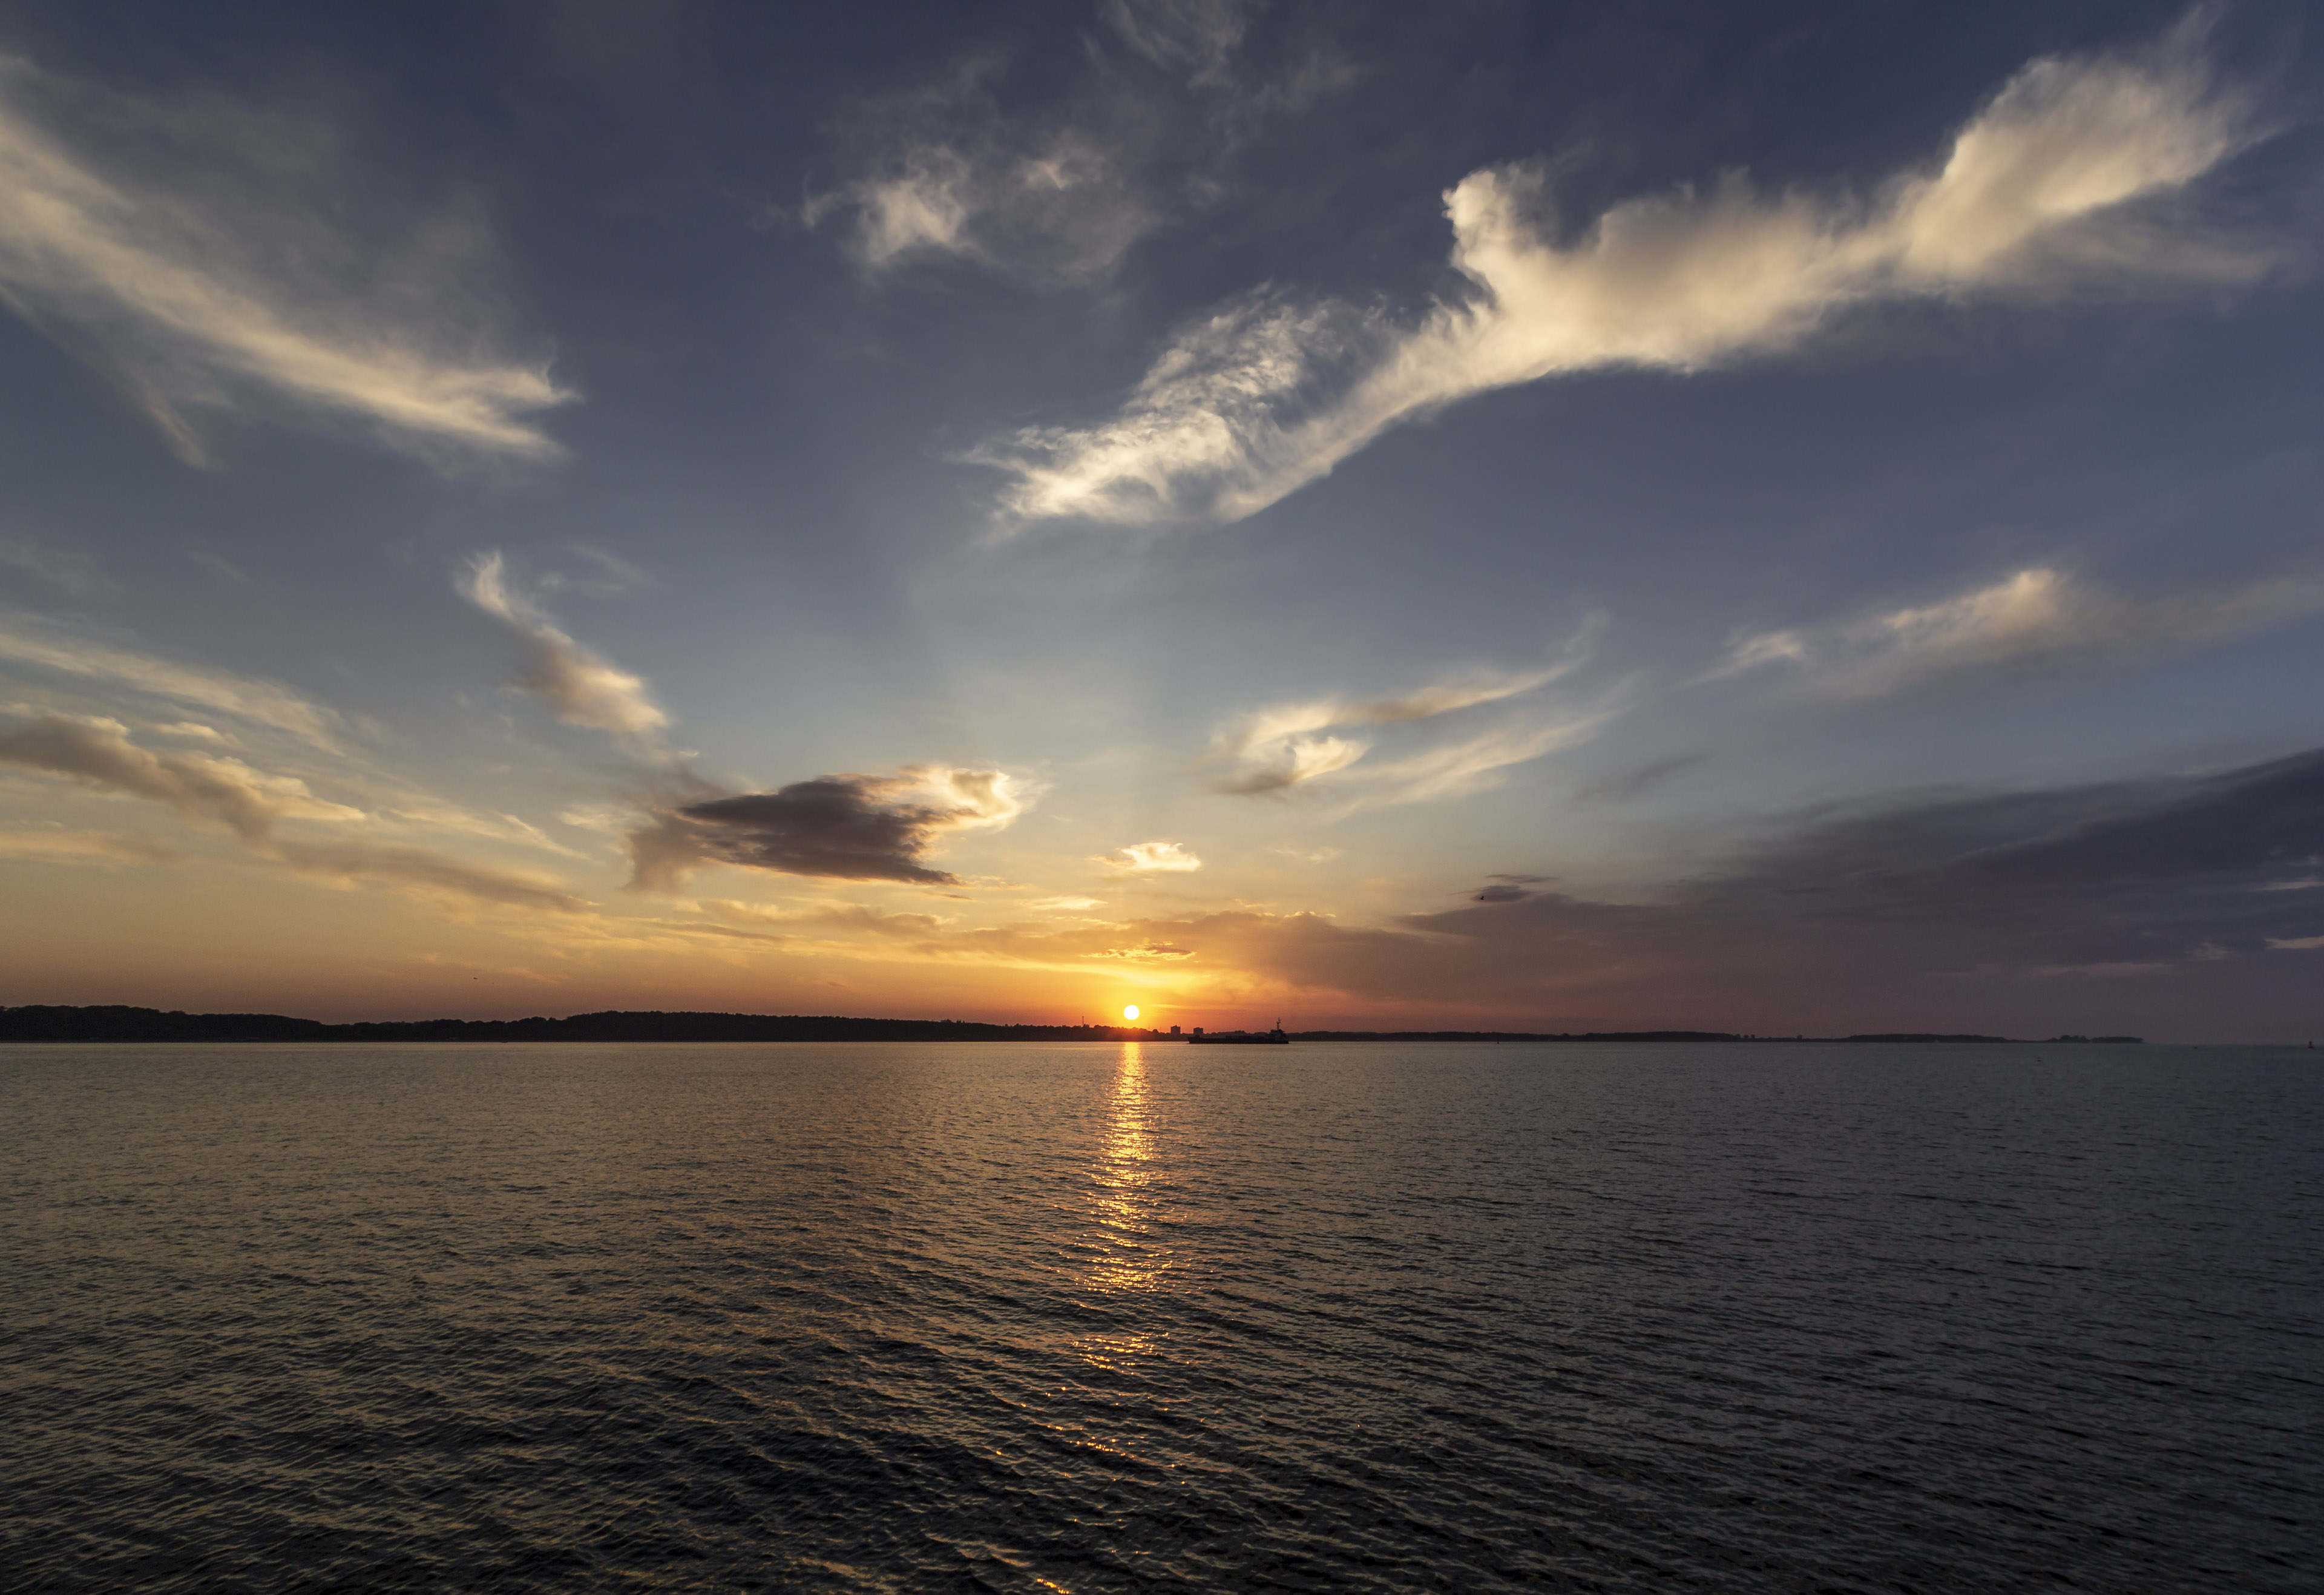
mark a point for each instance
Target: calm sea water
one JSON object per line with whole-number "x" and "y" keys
{"x": 1090, "y": 1318}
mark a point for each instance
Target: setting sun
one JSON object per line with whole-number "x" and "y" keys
{"x": 1129, "y": 1012}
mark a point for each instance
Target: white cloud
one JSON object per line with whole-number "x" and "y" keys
{"x": 32, "y": 642}
{"x": 922, "y": 204}
{"x": 579, "y": 686}
{"x": 967, "y": 800}
{"x": 2305, "y": 944}
{"x": 1149, "y": 858}
{"x": 2039, "y": 192}
{"x": 2037, "y": 617}
{"x": 202, "y": 271}
{"x": 1053, "y": 206}
{"x": 1204, "y": 417}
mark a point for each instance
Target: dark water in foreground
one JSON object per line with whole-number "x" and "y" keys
{"x": 1093, "y": 1317}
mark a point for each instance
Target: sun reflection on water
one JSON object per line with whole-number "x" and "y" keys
{"x": 1127, "y": 1254}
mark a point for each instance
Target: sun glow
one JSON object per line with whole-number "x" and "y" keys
{"x": 1129, "y": 1012}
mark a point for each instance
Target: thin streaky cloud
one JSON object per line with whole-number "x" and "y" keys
{"x": 74, "y": 573}
{"x": 581, "y": 688}
{"x": 1474, "y": 764}
{"x": 97, "y": 753}
{"x": 79, "y": 847}
{"x": 429, "y": 874}
{"x": 192, "y": 307}
{"x": 1286, "y": 745}
{"x": 2039, "y": 193}
{"x": 251, "y": 803}
{"x": 28, "y": 640}
{"x": 2034, "y": 619}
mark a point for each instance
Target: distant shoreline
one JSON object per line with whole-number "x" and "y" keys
{"x": 43, "y": 1023}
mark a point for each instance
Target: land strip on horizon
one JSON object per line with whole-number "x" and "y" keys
{"x": 38, "y": 1022}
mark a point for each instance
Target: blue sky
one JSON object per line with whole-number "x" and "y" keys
{"x": 1771, "y": 518}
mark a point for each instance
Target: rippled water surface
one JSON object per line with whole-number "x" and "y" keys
{"x": 1090, "y": 1318}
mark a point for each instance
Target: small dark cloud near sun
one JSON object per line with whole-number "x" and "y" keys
{"x": 1510, "y": 888}
{"x": 845, "y": 827}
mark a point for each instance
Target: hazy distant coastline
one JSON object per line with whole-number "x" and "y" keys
{"x": 36, "y": 1022}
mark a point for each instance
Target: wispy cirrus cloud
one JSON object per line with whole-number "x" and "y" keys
{"x": 2036, "y": 619}
{"x": 2064, "y": 180}
{"x": 205, "y": 255}
{"x": 1475, "y": 763}
{"x": 580, "y": 687}
{"x": 848, "y": 827}
{"x": 27, "y": 640}
{"x": 1057, "y": 188}
{"x": 1197, "y": 38}
{"x": 942, "y": 173}
{"x": 1287, "y": 746}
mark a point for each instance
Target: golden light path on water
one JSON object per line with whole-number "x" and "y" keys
{"x": 1127, "y": 1260}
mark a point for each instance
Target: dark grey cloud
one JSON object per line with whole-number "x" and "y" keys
{"x": 2114, "y": 881}
{"x": 1639, "y": 780}
{"x": 1511, "y": 889}
{"x": 847, "y": 827}
{"x": 2188, "y": 905}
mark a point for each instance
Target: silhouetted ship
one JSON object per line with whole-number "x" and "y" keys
{"x": 1275, "y": 1037}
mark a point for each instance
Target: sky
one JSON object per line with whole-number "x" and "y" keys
{"x": 1785, "y": 519}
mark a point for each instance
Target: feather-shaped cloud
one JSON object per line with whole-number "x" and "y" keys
{"x": 2041, "y": 191}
